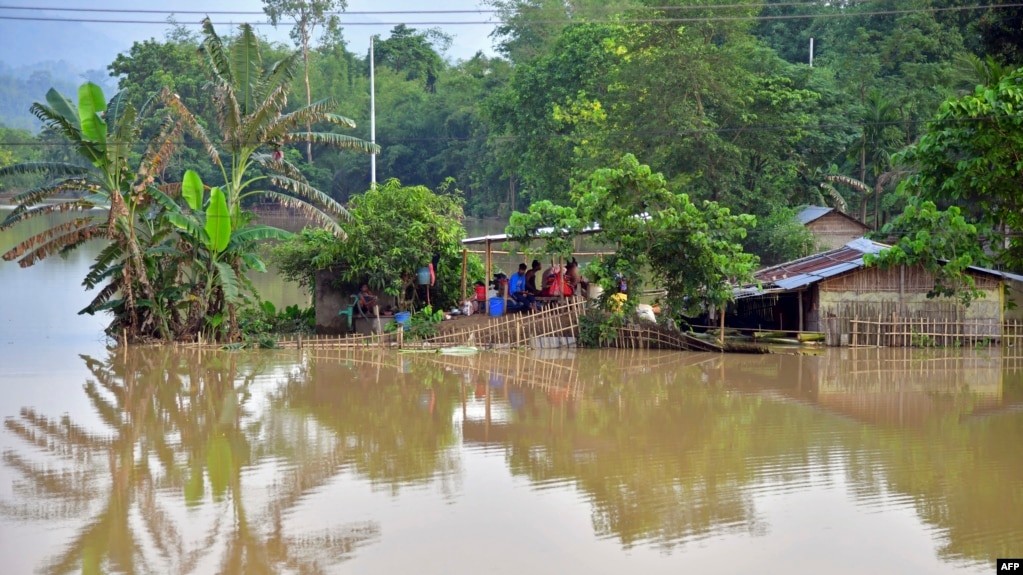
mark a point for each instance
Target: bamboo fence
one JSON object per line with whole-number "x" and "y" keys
{"x": 898, "y": 331}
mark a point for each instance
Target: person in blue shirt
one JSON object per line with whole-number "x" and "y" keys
{"x": 517, "y": 288}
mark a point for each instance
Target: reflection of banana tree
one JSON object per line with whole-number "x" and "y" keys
{"x": 177, "y": 424}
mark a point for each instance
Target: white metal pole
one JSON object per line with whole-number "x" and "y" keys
{"x": 811, "y": 52}
{"x": 372, "y": 116}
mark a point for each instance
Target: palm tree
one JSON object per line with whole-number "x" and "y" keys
{"x": 879, "y": 137}
{"x": 251, "y": 100}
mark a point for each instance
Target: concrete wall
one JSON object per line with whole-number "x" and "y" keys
{"x": 328, "y": 300}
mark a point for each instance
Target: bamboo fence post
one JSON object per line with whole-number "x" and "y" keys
{"x": 465, "y": 266}
{"x": 855, "y": 328}
{"x": 879, "y": 330}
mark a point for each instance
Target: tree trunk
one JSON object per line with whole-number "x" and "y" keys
{"x": 863, "y": 176}
{"x": 308, "y": 97}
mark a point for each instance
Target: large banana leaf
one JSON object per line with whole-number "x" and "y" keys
{"x": 281, "y": 73}
{"x": 228, "y": 281}
{"x": 54, "y": 169}
{"x": 308, "y": 210}
{"x": 282, "y": 167}
{"x": 68, "y": 127}
{"x": 121, "y": 115}
{"x": 258, "y": 232}
{"x": 22, "y": 212}
{"x": 190, "y": 124}
{"x": 62, "y": 106}
{"x": 316, "y": 197}
{"x": 334, "y": 140}
{"x": 245, "y": 63}
{"x": 218, "y": 221}
{"x": 91, "y": 104}
{"x": 106, "y": 261}
{"x": 192, "y": 190}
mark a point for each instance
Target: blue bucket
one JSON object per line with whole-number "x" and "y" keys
{"x": 496, "y": 306}
{"x": 424, "y": 276}
{"x": 402, "y": 317}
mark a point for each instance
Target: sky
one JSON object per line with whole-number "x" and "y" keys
{"x": 469, "y": 37}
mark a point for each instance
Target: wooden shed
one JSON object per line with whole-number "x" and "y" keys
{"x": 831, "y": 228}
{"x": 834, "y": 293}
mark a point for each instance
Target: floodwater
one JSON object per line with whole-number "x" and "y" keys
{"x": 162, "y": 460}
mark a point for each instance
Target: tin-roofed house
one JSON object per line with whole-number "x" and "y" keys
{"x": 835, "y": 293}
{"x": 831, "y": 228}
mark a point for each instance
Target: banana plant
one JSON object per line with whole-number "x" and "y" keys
{"x": 110, "y": 200}
{"x": 253, "y": 125}
{"x": 212, "y": 254}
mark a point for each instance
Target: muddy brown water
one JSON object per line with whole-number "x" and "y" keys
{"x": 162, "y": 460}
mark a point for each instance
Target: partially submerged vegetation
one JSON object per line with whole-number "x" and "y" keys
{"x": 746, "y": 132}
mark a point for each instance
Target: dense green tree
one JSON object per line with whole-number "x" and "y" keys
{"x": 970, "y": 156}
{"x": 393, "y": 231}
{"x": 779, "y": 237}
{"x": 412, "y": 54}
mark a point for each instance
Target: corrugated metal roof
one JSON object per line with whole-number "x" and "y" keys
{"x": 811, "y": 213}
{"x": 539, "y": 233}
{"x": 812, "y": 269}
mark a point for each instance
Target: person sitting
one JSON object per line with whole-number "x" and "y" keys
{"x": 573, "y": 279}
{"x": 517, "y": 288}
{"x": 554, "y": 283}
{"x": 531, "y": 278}
{"x": 366, "y": 299}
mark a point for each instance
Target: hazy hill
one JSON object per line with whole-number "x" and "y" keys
{"x": 37, "y": 56}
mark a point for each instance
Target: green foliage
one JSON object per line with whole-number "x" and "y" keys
{"x": 779, "y": 237}
{"x": 422, "y": 324}
{"x": 940, "y": 241}
{"x": 393, "y": 231}
{"x": 969, "y": 156}
{"x": 264, "y": 320}
{"x": 597, "y": 327}
{"x": 411, "y": 53}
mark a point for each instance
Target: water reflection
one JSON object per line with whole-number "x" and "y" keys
{"x": 181, "y": 431}
{"x": 272, "y": 462}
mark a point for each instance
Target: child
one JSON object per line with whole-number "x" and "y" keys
{"x": 481, "y": 297}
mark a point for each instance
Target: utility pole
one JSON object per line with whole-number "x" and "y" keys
{"x": 372, "y": 116}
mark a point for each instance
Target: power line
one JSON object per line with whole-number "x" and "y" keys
{"x": 420, "y": 12}
{"x": 663, "y": 20}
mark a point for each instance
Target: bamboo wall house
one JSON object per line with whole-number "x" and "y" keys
{"x": 831, "y": 228}
{"x": 835, "y": 293}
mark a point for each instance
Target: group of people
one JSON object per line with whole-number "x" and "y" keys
{"x": 555, "y": 281}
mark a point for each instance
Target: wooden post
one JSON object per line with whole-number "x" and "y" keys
{"x": 722, "y": 337}
{"x": 799, "y": 297}
{"x": 489, "y": 266}
{"x": 465, "y": 269}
